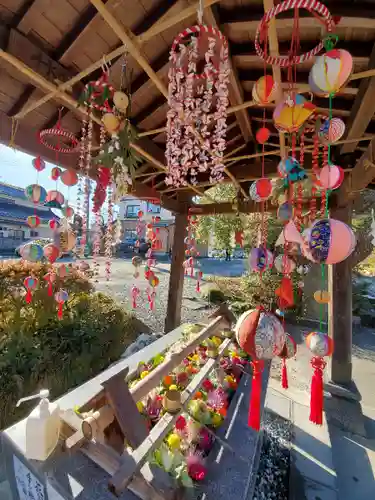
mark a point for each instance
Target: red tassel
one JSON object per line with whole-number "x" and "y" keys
{"x": 316, "y": 400}
{"x": 28, "y": 296}
{"x": 50, "y": 290}
{"x": 198, "y": 287}
{"x": 60, "y": 310}
{"x": 134, "y": 304}
{"x": 256, "y": 392}
{"x": 284, "y": 375}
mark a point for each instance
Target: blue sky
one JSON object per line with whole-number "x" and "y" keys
{"x": 16, "y": 169}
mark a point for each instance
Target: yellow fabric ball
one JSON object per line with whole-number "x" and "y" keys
{"x": 173, "y": 387}
{"x": 174, "y": 441}
{"x": 216, "y": 420}
{"x": 121, "y": 101}
{"x": 144, "y": 374}
{"x": 140, "y": 406}
{"x": 111, "y": 123}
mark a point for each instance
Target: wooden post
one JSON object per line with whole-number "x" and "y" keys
{"x": 176, "y": 280}
{"x": 340, "y": 316}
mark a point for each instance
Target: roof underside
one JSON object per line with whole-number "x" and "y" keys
{"x": 62, "y": 38}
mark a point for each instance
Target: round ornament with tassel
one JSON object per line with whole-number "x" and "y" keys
{"x": 61, "y": 297}
{"x": 288, "y": 351}
{"x": 261, "y": 335}
{"x": 30, "y": 283}
{"x": 321, "y": 345}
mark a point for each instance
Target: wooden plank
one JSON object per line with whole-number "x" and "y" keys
{"x": 359, "y": 178}
{"x": 363, "y": 109}
{"x": 132, "y": 424}
{"x": 176, "y": 280}
{"x": 139, "y": 456}
{"x": 146, "y": 385}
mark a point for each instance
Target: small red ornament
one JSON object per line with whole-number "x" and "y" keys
{"x": 39, "y": 164}
{"x": 53, "y": 224}
{"x": 264, "y": 187}
{"x": 262, "y": 135}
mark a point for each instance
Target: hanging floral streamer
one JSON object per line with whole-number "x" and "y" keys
{"x": 197, "y": 100}
{"x": 109, "y": 235}
{"x": 191, "y": 251}
{"x": 98, "y": 217}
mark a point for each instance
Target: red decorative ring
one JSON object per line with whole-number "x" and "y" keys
{"x": 309, "y": 128}
{"x": 312, "y": 6}
{"x": 46, "y": 134}
{"x": 98, "y": 87}
{"x": 201, "y": 28}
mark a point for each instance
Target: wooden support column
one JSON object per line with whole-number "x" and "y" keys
{"x": 176, "y": 280}
{"x": 340, "y": 316}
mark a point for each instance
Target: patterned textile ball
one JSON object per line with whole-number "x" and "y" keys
{"x": 54, "y": 199}
{"x": 330, "y": 177}
{"x": 285, "y": 211}
{"x": 289, "y": 349}
{"x": 260, "y": 190}
{"x": 331, "y": 71}
{"x": 61, "y": 296}
{"x": 55, "y": 173}
{"x": 53, "y": 224}
{"x": 262, "y": 135}
{"x": 35, "y": 193}
{"x": 33, "y": 221}
{"x": 320, "y": 344}
{"x": 260, "y": 259}
{"x": 329, "y": 241}
{"x": 140, "y": 214}
{"x": 30, "y": 283}
{"x": 291, "y": 114}
{"x": 331, "y": 131}
{"x": 68, "y": 211}
{"x": 63, "y": 270}
{"x": 39, "y": 164}
{"x": 31, "y": 252}
{"x": 284, "y": 264}
{"x": 286, "y": 166}
{"x": 51, "y": 252}
{"x": 260, "y": 334}
{"x": 69, "y": 177}
{"x": 121, "y": 101}
{"x": 264, "y": 90}
{"x": 153, "y": 281}
{"x": 64, "y": 239}
{"x": 137, "y": 261}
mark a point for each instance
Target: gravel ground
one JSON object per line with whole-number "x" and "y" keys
{"x": 272, "y": 482}
{"x": 122, "y": 281}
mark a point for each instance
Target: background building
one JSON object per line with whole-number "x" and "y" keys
{"x": 14, "y": 210}
{"x": 129, "y": 206}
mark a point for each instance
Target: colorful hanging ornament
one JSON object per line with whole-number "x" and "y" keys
{"x": 264, "y": 90}
{"x": 291, "y": 233}
{"x": 285, "y": 211}
{"x": 328, "y": 241}
{"x": 288, "y": 351}
{"x": 67, "y": 211}
{"x": 98, "y": 94}
{"x": 198, "y": 91}
{"x": 322, "y": 297}
{"x": 262, "y": 135}
{"x": 61, "y": 297}
{"x": 330, "y": 177}
{"x": 121, "y": 101}
{"x": 260, "y": 190}
{"x": 30, "y": 283}
{"x": 64, "y": 239}
{"x": 331, "y": 71}
{"x": 285, "y": 293}
{"x": 54, "y": 199}
{"x": 261, "y": 37}
{"x": 50, "y": 278}
{"x": 291, "y": 114}
{"x": 135, "y": 294}
{"x": 35, "y": 193}
{"x": 31, "y": 252}
{"x": 39, "y": 164}
{"x": 136, "y": 262}
{"x": 321, "y": 345}
{"x": 55, "y": 173}
{"x": 54, "y": 224}
{"x": 199, "y": 275}
{"x": 261, "y": 335}
{"x": 238, "y": 238}
{"x": 69, "y": 177}
{"x": 260, "y": 259}
{"x": 51, "y": 252}
{"x": 33, "y": 221}
{"x": 331, "y": 130}
{"x": 58, "y": 139}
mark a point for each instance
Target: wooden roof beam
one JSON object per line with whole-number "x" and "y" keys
{"x": 236, "y": 95}
{"x": 363, "y": 109}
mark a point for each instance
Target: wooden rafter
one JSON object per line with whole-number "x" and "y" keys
{"x": 363, "y": 109}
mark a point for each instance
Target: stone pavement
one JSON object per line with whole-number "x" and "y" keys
{"x": 336, "y": 460}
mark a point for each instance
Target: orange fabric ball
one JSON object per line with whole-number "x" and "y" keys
{"x": 262, "y": 135}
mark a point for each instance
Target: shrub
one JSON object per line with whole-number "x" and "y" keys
{"x": 213, "y": 294}
{"x": 39, "y": 351}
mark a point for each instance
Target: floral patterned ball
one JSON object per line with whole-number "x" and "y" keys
{"x": 320, "y": 344}
{"x": 260, "y": 334}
